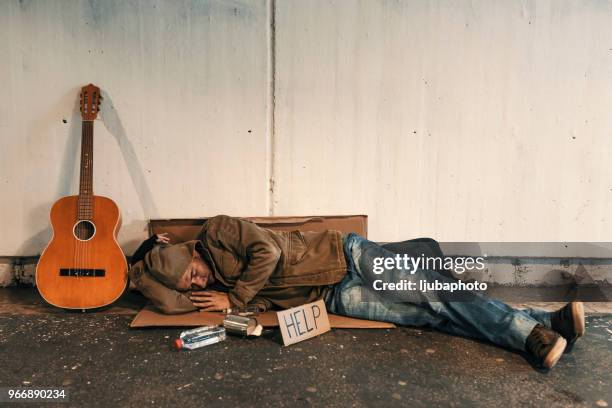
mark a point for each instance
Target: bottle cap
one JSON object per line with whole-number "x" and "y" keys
{"x": 178, "y": 343}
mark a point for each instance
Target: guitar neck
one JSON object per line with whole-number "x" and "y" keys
{"x": 85, "y": 202}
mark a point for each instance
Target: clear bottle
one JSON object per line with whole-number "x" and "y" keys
{"x": 200, "y": 337}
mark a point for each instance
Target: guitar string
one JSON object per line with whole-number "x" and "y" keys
{"x": 86, "y": 225}
{"x": 83, "y": 210}
{"x": 81, "y": 197}
{"x": 78, "y": 218}
{"x": 75, "y": 250}
{"x": 82, "y": 251}
{"x": 84, "y": 214}
{"x": 79, "y": 200}
{"x": 88, "y": 193}
{"x": 86, "y": 199}
{"x": 83, "y": 245}
{"x": 87, "y": 214}
{"x": 90, "y": 190}
{"x": 90, "y": 197}
{"x": 91, "y": 169}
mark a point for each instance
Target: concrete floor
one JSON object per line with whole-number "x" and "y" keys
{"x": 101, "y": 362}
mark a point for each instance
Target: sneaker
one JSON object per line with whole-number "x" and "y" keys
{"x": 569, "y": 322}
{"x": 545, "y": 345}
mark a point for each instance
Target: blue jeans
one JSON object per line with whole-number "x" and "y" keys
{"x": 480, "y": 317}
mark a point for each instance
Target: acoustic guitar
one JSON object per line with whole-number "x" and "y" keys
{"x": 83, "y": 266}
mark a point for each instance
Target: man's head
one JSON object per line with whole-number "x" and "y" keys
{"x": 198, "y": 275}
{"x": 179, "y": 266}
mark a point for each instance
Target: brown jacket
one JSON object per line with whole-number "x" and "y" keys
{"x": 282, "y": 268}
{"x": 259, "y": 266}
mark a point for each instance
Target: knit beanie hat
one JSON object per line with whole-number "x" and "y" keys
{"x": 168, "y": 263}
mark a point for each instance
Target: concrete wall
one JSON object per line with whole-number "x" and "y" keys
{"x": 460, "y": 120}
{"x": 184, "y": 127}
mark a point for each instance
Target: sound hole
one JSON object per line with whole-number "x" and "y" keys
{"x": 84, "y": 230}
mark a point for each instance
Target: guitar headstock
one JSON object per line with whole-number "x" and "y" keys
{"x": 90, "y": 102}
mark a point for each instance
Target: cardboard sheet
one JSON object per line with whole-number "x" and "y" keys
{"x": 185, "y": 229}
{"x": 150, "y": 317}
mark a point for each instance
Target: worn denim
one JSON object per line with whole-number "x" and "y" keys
{"x": 478, "y": 317}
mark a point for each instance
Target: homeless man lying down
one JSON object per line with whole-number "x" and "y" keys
{"x": 234, "y": 264}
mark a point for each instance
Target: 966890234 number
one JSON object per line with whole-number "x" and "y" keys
{"x": 8, "y": 394}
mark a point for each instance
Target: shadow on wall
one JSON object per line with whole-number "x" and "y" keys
{"x": 39, "y": 216}
{"x": 113, "y": 124}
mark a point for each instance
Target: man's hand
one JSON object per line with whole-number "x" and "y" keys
{"x": 162, "y": 238}
{"x": 210, "y": 301}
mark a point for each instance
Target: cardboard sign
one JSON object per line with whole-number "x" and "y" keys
{"x": 303, "y": 322}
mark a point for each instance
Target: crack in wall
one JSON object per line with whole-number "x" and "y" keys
{"x": 271, "y": 139}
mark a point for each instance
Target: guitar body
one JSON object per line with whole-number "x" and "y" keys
{"x": 83, "y": 266}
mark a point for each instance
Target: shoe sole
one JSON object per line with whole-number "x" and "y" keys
{"x": 578, "y": 317}
{"x": 555, "y": 353}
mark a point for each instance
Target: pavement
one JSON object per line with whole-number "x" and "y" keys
{"x": 101, "y": 362}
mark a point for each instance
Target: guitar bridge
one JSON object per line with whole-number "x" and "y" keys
{"x": 82, "y": 272}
